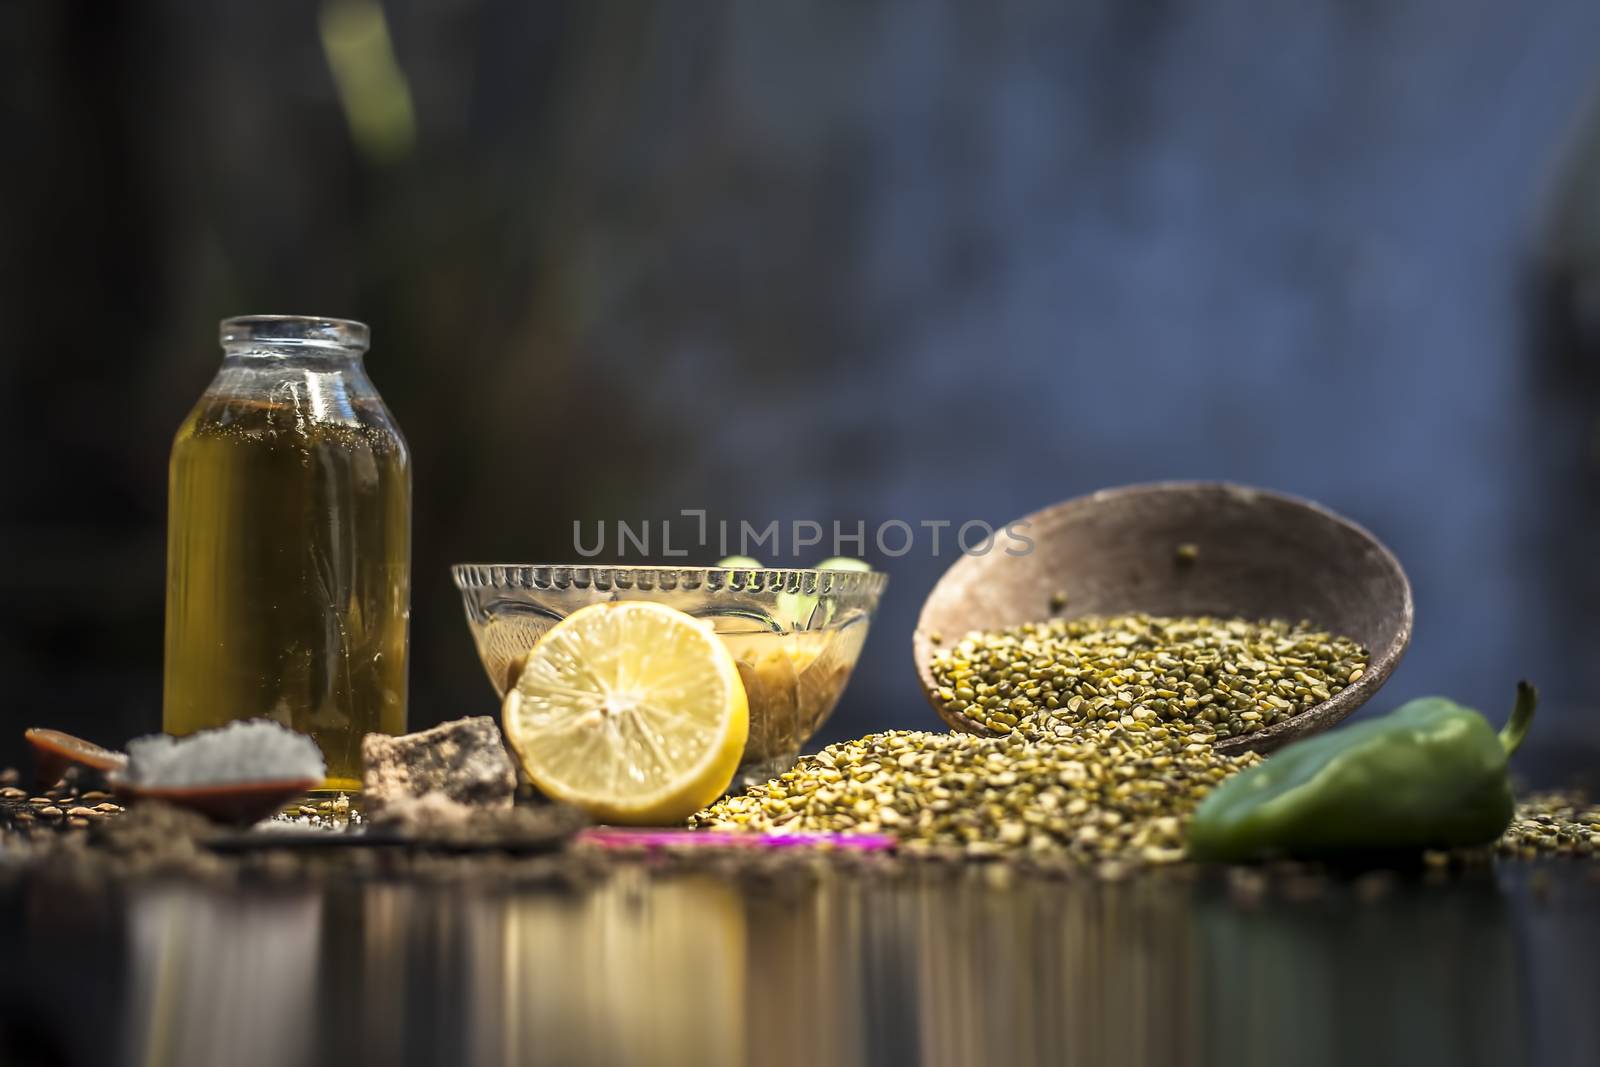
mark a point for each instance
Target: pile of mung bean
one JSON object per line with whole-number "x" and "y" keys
{"x": 1552, "y": 824}
{"x": 1208, "y": 677}
{"x": 1093, "y": 793}
{"x": 1092, "y": 739}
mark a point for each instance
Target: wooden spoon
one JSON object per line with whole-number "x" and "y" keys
{"x": 54, "y": 752}
{"x": 237, "y": 804}
{"x": 233, "y": 802}
{"x": 1257, "y": 555}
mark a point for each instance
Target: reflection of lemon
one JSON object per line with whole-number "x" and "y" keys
{"x": 769, "y": 683}
{"x": 630, "y": 710}
{"x": 795, "y": 609}
{"x": 598, "y": 977}
{"x": 823, "y": 676}
{"x": 514, "y": 671}
{"x": 793, "y": 681}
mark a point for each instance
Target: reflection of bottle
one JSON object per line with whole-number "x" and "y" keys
{"x": 289, "y": 544}
{"x": 219, "y": 978}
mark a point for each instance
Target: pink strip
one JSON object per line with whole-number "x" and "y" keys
{"x": 612, "y": 837}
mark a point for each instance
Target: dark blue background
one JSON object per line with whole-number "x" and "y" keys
{"x": 828, "y": 261}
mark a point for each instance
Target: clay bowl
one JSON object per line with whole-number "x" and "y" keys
{"x": 1261, "y": 555}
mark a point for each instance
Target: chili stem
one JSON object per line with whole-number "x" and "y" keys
{"x": 1516, "y": 727}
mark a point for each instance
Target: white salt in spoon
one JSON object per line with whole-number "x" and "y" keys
{"x": 236, "y": 803}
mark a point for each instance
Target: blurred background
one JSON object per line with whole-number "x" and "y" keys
{"x": 854, "y": 261}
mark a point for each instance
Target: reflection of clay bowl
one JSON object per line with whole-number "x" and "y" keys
{"x": 1261, "y": 555}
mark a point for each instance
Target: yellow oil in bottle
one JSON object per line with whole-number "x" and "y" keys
{"x": 288, "y": 585}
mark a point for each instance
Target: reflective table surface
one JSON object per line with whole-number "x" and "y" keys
{"x": 979, "y": 965}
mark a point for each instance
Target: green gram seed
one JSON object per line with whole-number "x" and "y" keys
{"x": 1205, "y": 678}
{"x": 1092, "y": 740}
{"x": 1552, "y": 824}
{"x": 1093, "y": 794}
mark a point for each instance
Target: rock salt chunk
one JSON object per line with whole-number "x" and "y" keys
{"x": 463, "y": 760}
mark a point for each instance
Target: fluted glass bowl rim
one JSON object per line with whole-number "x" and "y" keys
{"x": 656, "y": 577}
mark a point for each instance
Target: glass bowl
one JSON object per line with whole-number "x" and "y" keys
{"x": 796, "y": 634}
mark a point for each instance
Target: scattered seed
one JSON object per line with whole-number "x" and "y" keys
{"x": 1552, "y": 824}
{"x": 1093, "y": 793}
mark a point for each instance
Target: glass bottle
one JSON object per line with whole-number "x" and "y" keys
{"x": 289, "y": 544}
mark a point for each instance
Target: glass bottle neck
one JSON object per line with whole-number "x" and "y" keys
{"x": 293, "y": 335}
{"x": 309, "y": 357}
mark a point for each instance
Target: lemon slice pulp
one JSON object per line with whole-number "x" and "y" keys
{"x": 631, "y": 710}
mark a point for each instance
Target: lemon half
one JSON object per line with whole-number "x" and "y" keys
{"x": 630, "y": 710}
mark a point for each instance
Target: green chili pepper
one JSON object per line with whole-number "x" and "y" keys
{"x": 1430, "y": 775}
